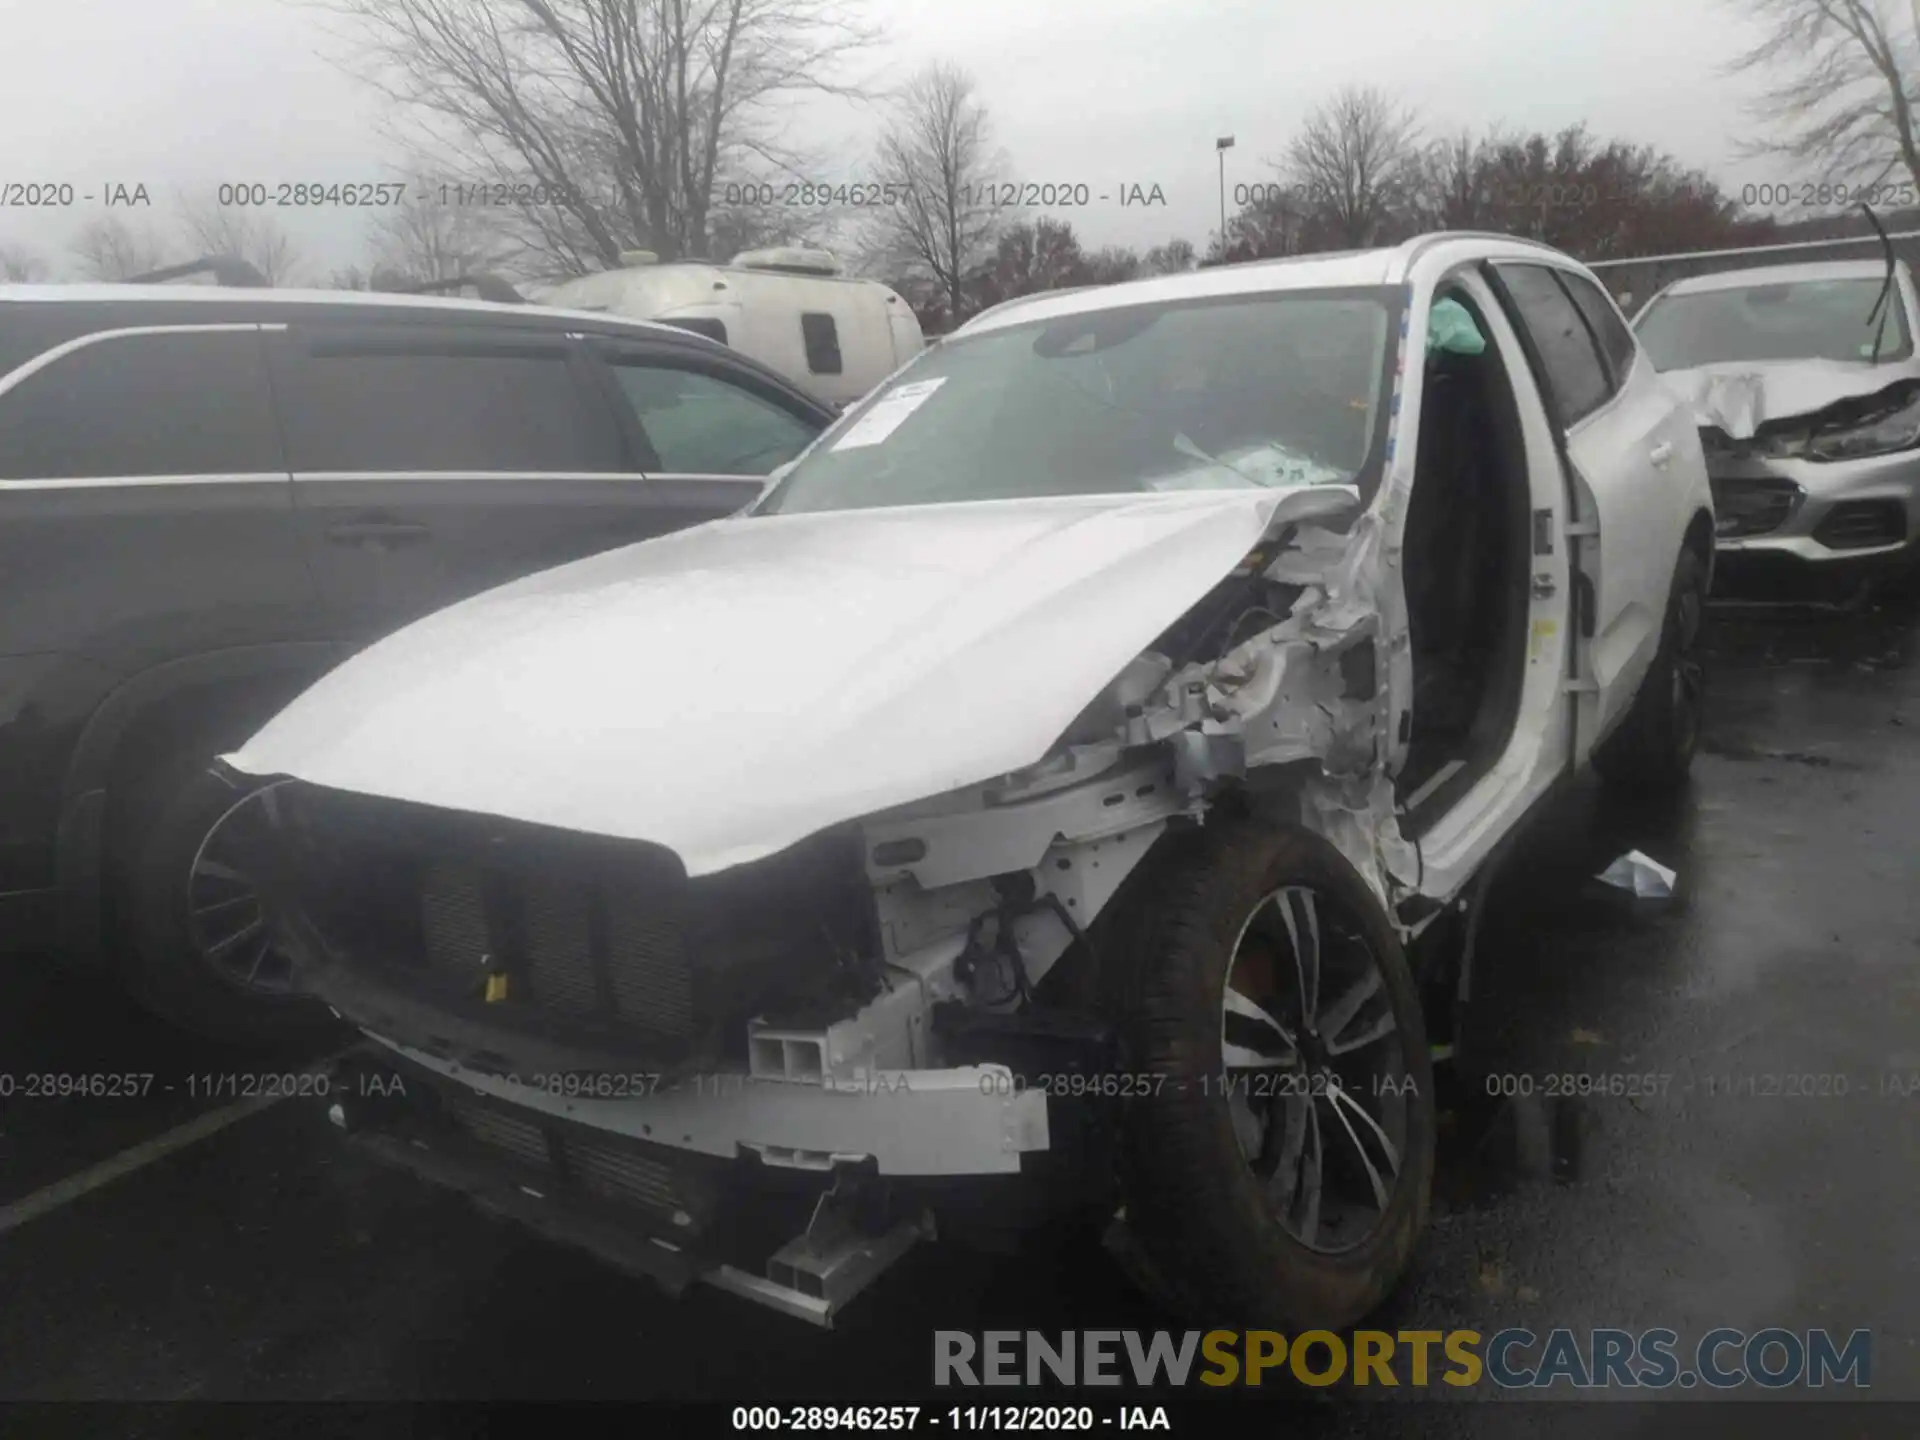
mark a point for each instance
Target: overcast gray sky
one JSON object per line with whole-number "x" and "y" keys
{"x": 183, "y": 94}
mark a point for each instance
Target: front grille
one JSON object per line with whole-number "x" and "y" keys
{"x": 590, "y": 942}
{"x": 566, "y": 945}
{"x": 453, "y": 919}
{"x": 613, "y": 1174}
{"x": 559, "y": 947}
{"x": 646, "y": 946}
{"x": 1862, "y": 524}
{"x": 1753, "y": 507}
{"x": 518, "y": 1137}
{"x": 607, "y": 1169}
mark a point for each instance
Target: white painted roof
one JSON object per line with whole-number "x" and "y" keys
{"x": 1874, "y": 269}
{"x": 1341, "y": 270}
{"x": 373, "y": 299}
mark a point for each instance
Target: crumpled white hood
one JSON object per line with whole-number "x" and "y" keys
{"x": 1740, "y": 397}
{"x": 731, "y": 689}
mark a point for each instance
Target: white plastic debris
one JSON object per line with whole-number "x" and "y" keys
{"x": 1647, "y": 878}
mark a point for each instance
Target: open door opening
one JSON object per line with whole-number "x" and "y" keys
{"x": 1465, "y": 566}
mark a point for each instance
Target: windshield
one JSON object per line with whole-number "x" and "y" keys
{"x": 1799, "y": 320}
{"x": 1235, "y": 393}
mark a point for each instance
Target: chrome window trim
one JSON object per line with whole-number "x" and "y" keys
{"x": 429, "y": 476}
{"x": 28, "y": 369}
{"x": 127, "y": 482}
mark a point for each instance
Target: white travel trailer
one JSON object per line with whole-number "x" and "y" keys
{"x": 790, "y": 309}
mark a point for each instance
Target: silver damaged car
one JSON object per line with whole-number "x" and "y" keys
{"x": 1806, "y": 387}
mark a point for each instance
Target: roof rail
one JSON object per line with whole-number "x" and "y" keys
{"x": 225, "y": 269}
{"x": 1789, "y": 247}
{"x": 1428, "y": 236}
{"x": 486, "y": 284}
{"x": 1019, "y": 300}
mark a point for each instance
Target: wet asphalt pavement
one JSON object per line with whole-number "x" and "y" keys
{"x": 263, "y": 1263}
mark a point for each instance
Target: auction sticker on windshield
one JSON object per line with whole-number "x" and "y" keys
{"x": 888, "y": 414}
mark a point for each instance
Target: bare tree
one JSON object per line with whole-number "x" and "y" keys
{"x": 1113, "y": 264}
{"x": 1273, "y": 222}
{"x": 250, "y": 235}
{"x": 1839, "y": 95}
{"x": 605, "y": 124}
{"x": 1031, "y": 256}
{"x": 1356, "y": 165}
{"x": 425, "y": 238}
{"x": 1454, "y": 186}
{"x": 1172, "y": 258}
{"x": 937, "y": 164}
{"x": 112, "y": 248}
{"x": 20, "y": 266}
{"x": 358, "y": 277}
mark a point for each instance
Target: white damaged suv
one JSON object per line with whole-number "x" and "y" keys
{"x": 1063, "y": 790}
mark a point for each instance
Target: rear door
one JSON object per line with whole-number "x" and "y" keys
{"x": 145, "y": 514}
{"x": 708, "y": 428}
{"x": 432, "y": 463}
{"x": 145, "y": 509}
{"x": 1619, "y": 427}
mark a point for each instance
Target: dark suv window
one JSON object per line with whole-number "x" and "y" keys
{"x": 1574, "y": 368}
{"x": 414, "y": 405}
{"x": 699, "y": 424}
{"x": 822, "y": 339}
{"x": 183, "y": 403}
{"x": 1615, "y": 339}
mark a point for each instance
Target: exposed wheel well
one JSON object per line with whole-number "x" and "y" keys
{"x": 1699, "y": 539}
{"x": 132, "y": 732}
{"x": 217, "y": 713}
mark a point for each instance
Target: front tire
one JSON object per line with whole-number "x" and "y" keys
{"x": 1279, "y": 1174}
{"x": 1651, "y": 750}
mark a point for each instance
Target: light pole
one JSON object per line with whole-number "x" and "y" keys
{"x": 1222, "y": 145}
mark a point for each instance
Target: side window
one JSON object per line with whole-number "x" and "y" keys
{"x": 379, "y": 406}
{"x": 181, "y": 403}
{"x": 699, "y": 424}
{"x": 1615, "y": 339}
{"x": 710, "y": 326}
{"x": 822, "y": 339}
{"x": 1574, "y": 367}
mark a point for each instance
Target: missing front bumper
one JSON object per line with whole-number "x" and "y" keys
{"x": 640, "y": 1210}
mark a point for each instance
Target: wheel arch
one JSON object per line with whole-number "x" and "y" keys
{"x": 1699, "y": 539}
{"x": 165, "y": 704}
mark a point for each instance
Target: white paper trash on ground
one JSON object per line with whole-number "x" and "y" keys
{"x": 1644, "y": 876}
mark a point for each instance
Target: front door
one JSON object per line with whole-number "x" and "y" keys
{"x": 700, "y": 420}
{"x": 433, "y": 463}
{"x": 1484, "y": 570}
{"x": 1621, "y": 440}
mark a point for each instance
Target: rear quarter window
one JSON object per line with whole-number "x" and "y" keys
{"x": 183, "y": 403}
{"x": 1616, "y": 340}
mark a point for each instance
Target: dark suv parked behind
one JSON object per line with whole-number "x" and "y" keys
{"x": 209, "y": 496}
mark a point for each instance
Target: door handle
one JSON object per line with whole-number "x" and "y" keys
{"x": 1661, "y": 453}
{"x": 377, "y": 532}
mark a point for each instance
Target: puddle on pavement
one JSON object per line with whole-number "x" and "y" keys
{"x": 1877, "y": 637}
{"x": 1492, "y": 1145}
{"x": 1734, "y": 750}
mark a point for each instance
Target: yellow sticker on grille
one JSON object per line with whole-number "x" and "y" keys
{"x": 496, "y": 988}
